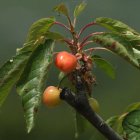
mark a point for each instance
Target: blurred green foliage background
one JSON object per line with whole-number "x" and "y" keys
{"x": 16, "y": 16}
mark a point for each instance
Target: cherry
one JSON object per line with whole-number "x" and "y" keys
{"x": 51, "y": 96}
{"x": 94, "y": 104}
{"x": 65, "y": 61}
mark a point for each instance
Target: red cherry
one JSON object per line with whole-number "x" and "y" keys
{"x": 65, "y": 61}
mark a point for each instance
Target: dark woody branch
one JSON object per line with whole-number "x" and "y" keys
{"x": 80, "y": 103}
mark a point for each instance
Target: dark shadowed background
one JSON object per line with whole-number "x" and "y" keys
{"x": 16, "y": 16}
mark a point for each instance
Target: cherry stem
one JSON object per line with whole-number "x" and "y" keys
{"x": 70, "y": 23}
{"x": 85, "y": 27}
{"x": 62, "y": 25}
{"x": 87, "y": 37}
{"x": 87, "y": 43}
{"x": 96, "y": 49}
{"x": 68, "y": 42}
{"x": 74, "y": 22}
{"x": 62, "y": 79}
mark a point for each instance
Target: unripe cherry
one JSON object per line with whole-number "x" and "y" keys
{"x": 51, "y": 96}
{"x": 94, "y": 104}
{"x": 65, "y": 61}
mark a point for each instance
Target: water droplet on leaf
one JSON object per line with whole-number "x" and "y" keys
{"x": 11, "y": 60}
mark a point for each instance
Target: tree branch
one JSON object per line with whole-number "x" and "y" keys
{"x": 79, "y": 101}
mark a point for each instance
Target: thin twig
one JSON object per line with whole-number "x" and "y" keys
{"x": 62, "y": 25}
{"x": 87, "y": 43}
{"x": 87, "y": 37}
{"x": 68, "y": 42}
{"x": 74, "y": 22}
{"x": 85, "y": 27}
{"x": 96, "y": 49}
{"x": 70, "y": 23}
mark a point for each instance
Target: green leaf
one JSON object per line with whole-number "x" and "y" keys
{"x": 119, "y": 45}
{"x": 31, "y": 84}
{"x": 131, "y": 125}
{"x": 112, "y": 121}
{"x": 137, "y": 54}
{"x": 133, "y": 107}
{"x": 54, "y": 36}
{"x": 133, "y": 39}
{"x": 80, "y": 125}
{"x": 61, "y": 8}
{"x": 12, "y": 70}
{"x": 115, "y": 25}
{"x": 39, "y": 28}
{"x": 79, "y": 9}
{"x": 104, "y": 65}
{"x": 119, "y": 27}
{"x": 116, "y": 123}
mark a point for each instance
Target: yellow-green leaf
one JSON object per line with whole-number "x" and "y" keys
{"x": 132, "y": 107}
{"x": 79, "y": 9}
{"x": 62, "y": 8}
